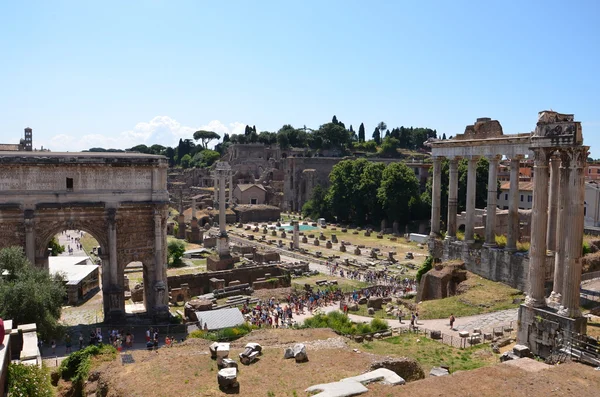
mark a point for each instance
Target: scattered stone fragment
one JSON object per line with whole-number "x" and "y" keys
{"x": 438, "y": 371}
{"x": 227, "y": 378}
{"x": 380, "y": 374}
{"x": 338, "y": 389}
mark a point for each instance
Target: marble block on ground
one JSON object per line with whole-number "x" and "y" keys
{"x": 338, "y": 389}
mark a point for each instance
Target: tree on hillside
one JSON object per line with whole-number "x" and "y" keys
{"x": 333, "y": 135}
{"x": 377, "y": 136}
{"x": 382, "y": 127}
{"x": 334, "y": 120}
{"x": 139, "y": 148}
{"x": 361, "y": 133}
{"x": 205, "y": 137}
{"x": 29, "y": 294}
{"x": 398, "y": 191}
{"x": 444, "y": 136}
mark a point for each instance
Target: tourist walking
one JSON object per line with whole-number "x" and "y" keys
{"x": 400, "y": 315}
{"x": 417, "y": 318}
{"x": 68, "y": 343}
{"x": 452, "y": 319}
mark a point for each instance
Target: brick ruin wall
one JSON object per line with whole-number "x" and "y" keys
{"x": 491, "y": 263}
{"x": 199, "y": 283}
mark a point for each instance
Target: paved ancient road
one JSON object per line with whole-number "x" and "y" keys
{"x": 67, "y": 239}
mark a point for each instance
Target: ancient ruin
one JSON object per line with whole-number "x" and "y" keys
{"x": 222, "y": 259}
{"x": 556, "y": 147}
{"x": 119, "y": 198}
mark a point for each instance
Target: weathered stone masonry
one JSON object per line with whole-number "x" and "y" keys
{"x": 119, "y": 198}
{"x": 556, "y": 147}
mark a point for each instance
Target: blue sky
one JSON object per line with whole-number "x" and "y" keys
{"x": 114, "y": 74}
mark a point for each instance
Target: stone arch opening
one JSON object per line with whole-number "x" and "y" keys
{"x": 120, "y": 199}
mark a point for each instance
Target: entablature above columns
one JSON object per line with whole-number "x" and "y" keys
{"x": 505, "y": 149}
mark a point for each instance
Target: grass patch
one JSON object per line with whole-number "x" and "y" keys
{"x": 225, "y": 334}
{"x": 341, "y": 324}
{"x": 430, "y": 353}
{"x": 482, "y": 296}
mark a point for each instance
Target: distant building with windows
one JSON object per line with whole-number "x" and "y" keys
{"x": 525, "y": 198}
{"x": 25, "y": 144}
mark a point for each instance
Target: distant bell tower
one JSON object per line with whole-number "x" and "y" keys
{"x": 28, "y": 139}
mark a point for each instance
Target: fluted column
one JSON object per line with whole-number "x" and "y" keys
{"x": 230, "y": 189}
{"x": 559, "y": 232}
{"x": 222, "y": 218}
{"x": 513, "y": 205}
{"x": 492, "y": 198}
{"x": 435, "y": 197}
{"x": 539, "y": 224}
{"x": 471, "y": 186}
{"x": 452, "y": 199}
{"x": 553, "y": 203}
{"x": 574, "y": 232}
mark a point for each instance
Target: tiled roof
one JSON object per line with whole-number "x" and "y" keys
{"x": 245, "y": 186}
{"x": 523, "y": 186}
{"x": 221, "y": 318}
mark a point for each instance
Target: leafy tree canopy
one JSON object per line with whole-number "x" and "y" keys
{"x": 205, "y": 137}
{"x": 29, "y": 294}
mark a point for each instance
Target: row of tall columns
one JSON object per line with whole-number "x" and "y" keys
{"x": 567, "y": 188}
{"x": 492, "y": 198}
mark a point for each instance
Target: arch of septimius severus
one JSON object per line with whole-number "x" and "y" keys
{"x": 559, "y": 158}
{"x": 121, "y": 199}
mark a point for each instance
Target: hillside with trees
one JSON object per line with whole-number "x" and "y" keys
{"x": 333, "y": 138}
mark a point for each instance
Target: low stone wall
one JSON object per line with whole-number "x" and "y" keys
{"x": 199, "y": 283}
{"x": 494, "y": 264}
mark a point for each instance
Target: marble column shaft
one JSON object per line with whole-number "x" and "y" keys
{"x": 471, "y": 186}
{"x": 216, "y": 186}
{"x": 574, "y": 232}
{"x": 553, "y": 203}
{"x": 435, "y": 197}
{"x": 452, "y": 199}
{"x": 562, "y": 220}
{"x": 513, "y": 205}
{"x": 222, "y": 227}
{"x": 492, "y": 199}
{"x": 230, "y": 189}
{"x": 539, "y": 223}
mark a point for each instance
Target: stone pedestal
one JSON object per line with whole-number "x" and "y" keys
{"x": 216, "y": 262}
{"x": 542, "y": 329}
{"x": 194, "y": 235}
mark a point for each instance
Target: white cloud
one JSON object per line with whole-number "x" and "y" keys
{"x": 162, "y": 130}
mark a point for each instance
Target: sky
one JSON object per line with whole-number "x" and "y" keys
{"x": 116, "y": 74}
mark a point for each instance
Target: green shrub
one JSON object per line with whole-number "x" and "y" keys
{"x": 501, "y": 241}
{"x": 76, "y": 366}
{"x": 342, "y": 324}
{"x": 225, "y": 334}
{"x": 425, "y": 267}
{"x": 29, "y": 380}
{"x": 587, "y": 249}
